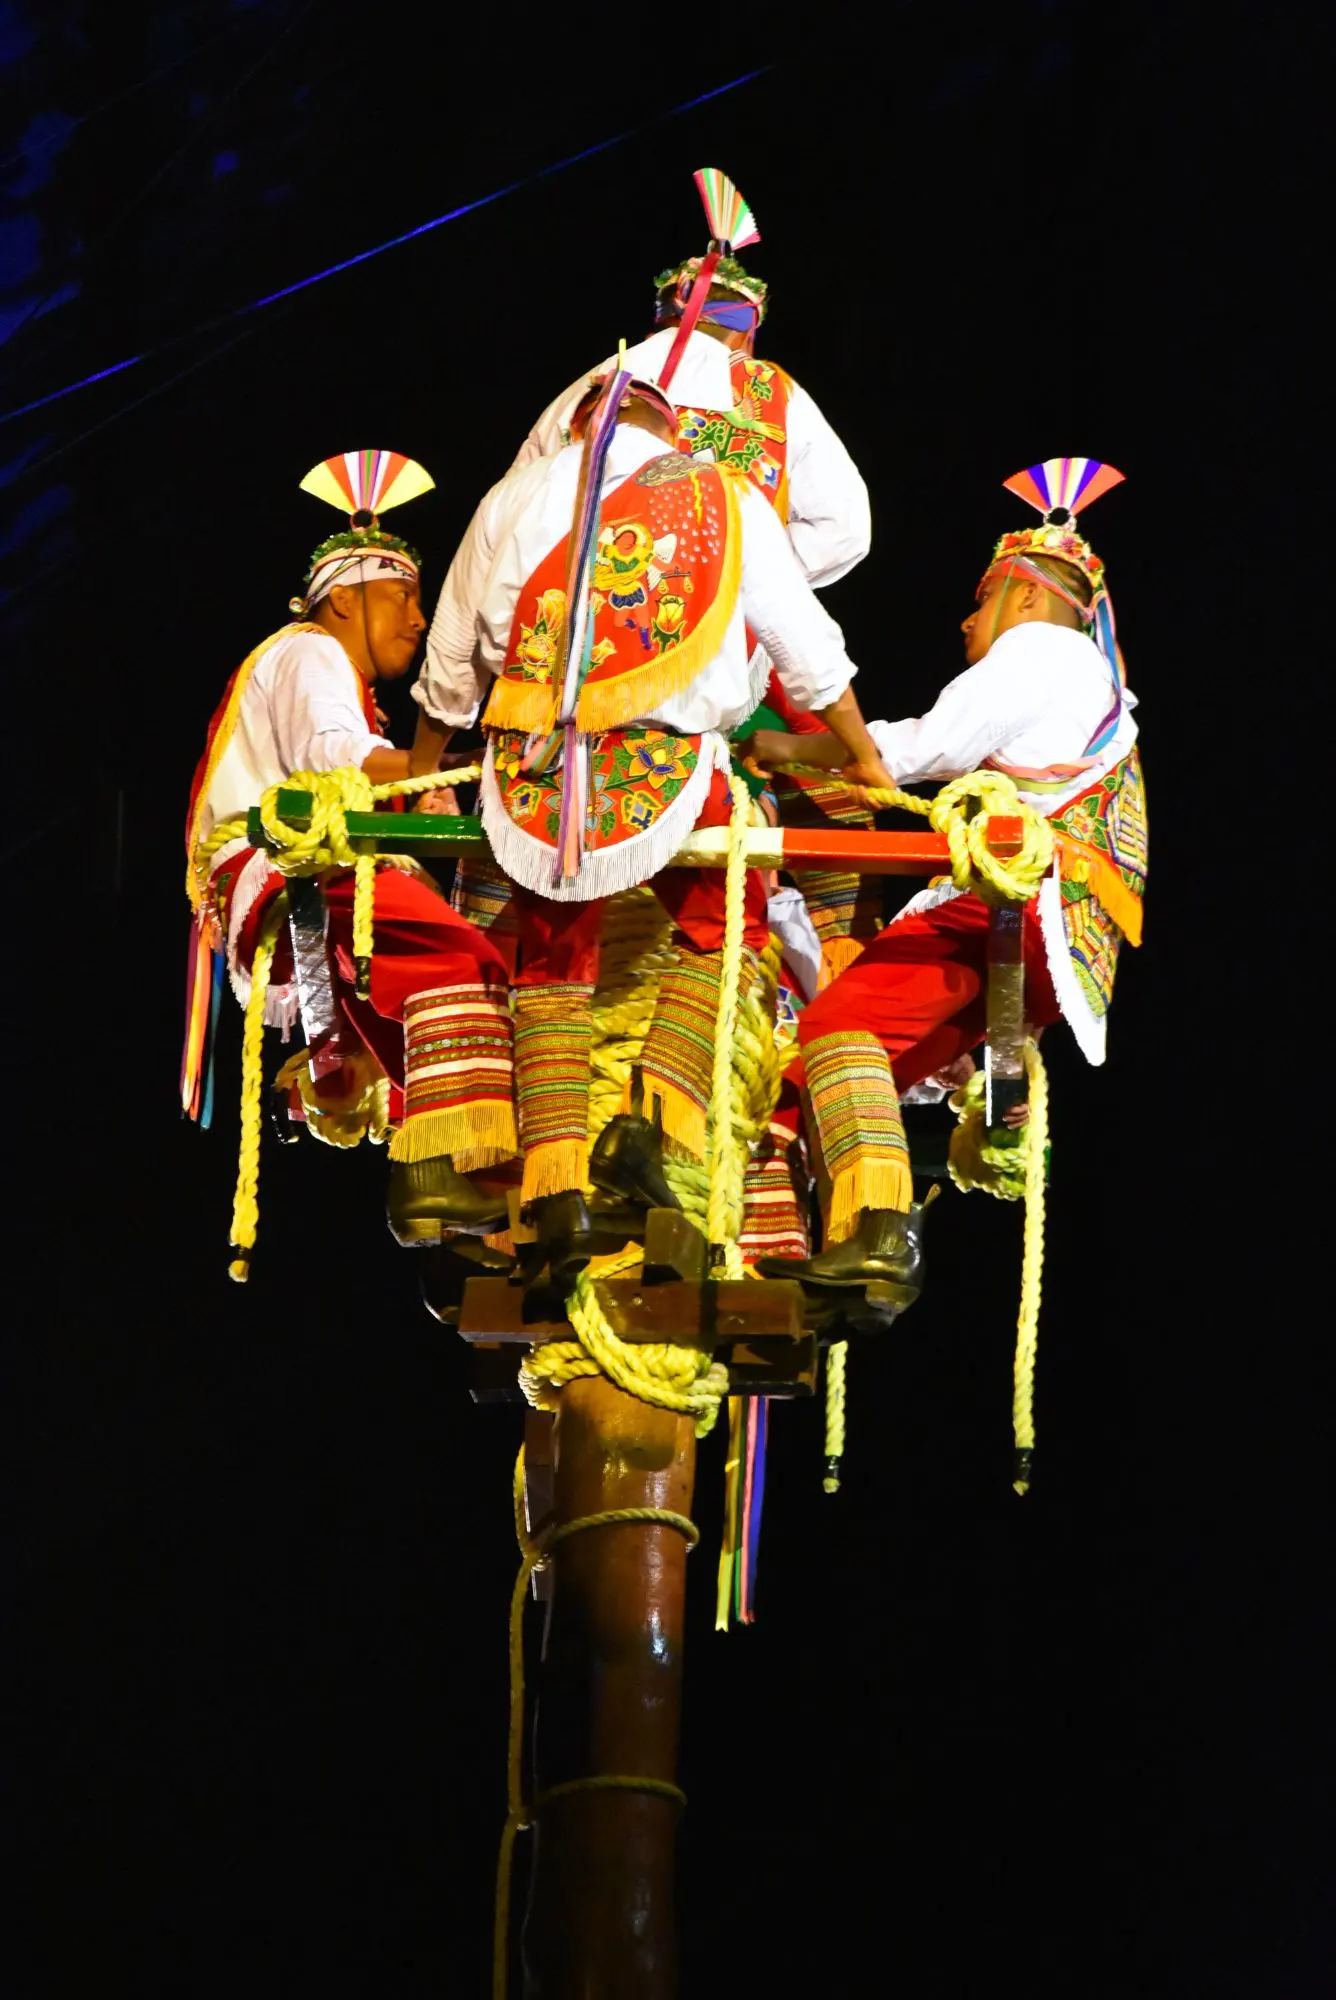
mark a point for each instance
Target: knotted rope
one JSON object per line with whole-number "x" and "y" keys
{"x": 321, "y": 845}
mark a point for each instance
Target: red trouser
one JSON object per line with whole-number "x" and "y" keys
{"x": 560, "y": 941}
{"x": 921, "y": 989}
{"x": 419, "y": 943}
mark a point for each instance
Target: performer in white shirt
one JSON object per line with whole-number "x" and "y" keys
{"x": 608, "y": 743}
{"x": 1042, "y": 698}
{"x": 436, "y": 1015}
{"x": 770, "y": 428}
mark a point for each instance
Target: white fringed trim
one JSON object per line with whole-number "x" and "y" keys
{"x": 251, "y": 885}
{"x": 1085, "y": 1025}
{"x": 532, "y": 863}
{"x": 758, "y": 679}
{"x": 928, "y": 899}
{"x": 1088, "y": 1029}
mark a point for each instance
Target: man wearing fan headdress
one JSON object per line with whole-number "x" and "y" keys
{"x": 772, "y": 430}
{"x": 600, "y": 605}
{"x": 434, "y": 1014}
{"x": 1042, "y": 699}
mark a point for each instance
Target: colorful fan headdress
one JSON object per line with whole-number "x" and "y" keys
{"x": 363, "y": 485}
{"x": 732, "y": 227}
{"x": 1056, "y": 489}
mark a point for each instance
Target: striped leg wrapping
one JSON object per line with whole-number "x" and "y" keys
{"x": 856, "y": 1114}
{"x": 553, "y": 1041}
{"x": 678, "y": 1056}
{"x": 846, "y": 909}
{"x": 458, "y": 1078}
{"x": 482, "y": 893}
{"x": 774, "y": 1222}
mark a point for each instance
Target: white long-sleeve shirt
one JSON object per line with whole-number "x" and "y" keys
{"x": 1032, "y": 702}
{"x": 301, "y": 710}
{"x": 830, "y": 517}
{"x": 525, "y": 516}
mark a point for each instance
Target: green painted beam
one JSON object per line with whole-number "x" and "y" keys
{"x": 398, "y": 833}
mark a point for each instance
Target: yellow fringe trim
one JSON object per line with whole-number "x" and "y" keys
{"x": 868, "y": 1184}
{"x": 1079, "y": 863}
{"x": 528, "y": 705}
{"x": 683, "y": 1118}
{"x": 555, "y": 1169}
{"x": 627, "y": 698}
{"x": 472, "y": 1135}
{"x": 630, "y": 697}
{"x": 837, "y": 955}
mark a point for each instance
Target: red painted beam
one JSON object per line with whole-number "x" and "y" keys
{"x": 887, "y": 853}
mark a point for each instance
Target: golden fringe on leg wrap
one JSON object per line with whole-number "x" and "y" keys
{"x": 867, "y": 1184}
{"x": 475, "y": 1135}
{"x": 837, "y": 955}
{"x": 555, "y": 1169}
{"x": 683, "y": 1118}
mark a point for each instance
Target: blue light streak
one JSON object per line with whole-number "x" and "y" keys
{"x": 393, "y": 243}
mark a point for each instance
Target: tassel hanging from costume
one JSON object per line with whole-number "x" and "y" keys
{"x": 691, "y": 312}
{"x": 215, "y": 1005}
{"x": 744, "y": 1500}
{"x": 577, "y": 639}
{"x": 204, "y": 971}
{"x": 753, "y": 1501}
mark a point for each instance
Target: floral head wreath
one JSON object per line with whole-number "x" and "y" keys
{"x": 1056, "y": 488}
{"x": 364, "y": 485}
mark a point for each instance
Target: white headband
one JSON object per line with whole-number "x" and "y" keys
{"x": 353, "y": 566}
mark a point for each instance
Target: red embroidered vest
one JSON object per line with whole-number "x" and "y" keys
{"x": 753, "y": 437}
{"x": 665, "y": 586}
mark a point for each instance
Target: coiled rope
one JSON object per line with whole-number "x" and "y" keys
{"x": 961, "y": 810}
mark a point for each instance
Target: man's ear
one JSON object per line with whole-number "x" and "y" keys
{"x": 340, "y": 600}
{"x": 1032, "y": 604}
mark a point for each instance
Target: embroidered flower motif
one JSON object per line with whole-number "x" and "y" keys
{"x": 655, "y": 758}
{"x": 523, "y": 801}
{"x": 639, "y": 812}
{"x": 507, "y": 763}
{"x": 536, "y": 652}
{"x": 1081, "y": 825}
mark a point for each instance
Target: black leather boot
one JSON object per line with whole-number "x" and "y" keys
{"x": 885, "y": 1249}
{"x": 627, "y": 1159}
{"x": 562, "y": 1225}
{"x": 428, "y": 1199}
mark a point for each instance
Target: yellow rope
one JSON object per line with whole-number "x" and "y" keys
{"x": 727, "y": 1163}
{"x": 534, "y": 1552}
{"x": 323, "y": 844}
{"x": 246, "y": 1200}
{"x": 972, "y": 1160}
{"x": 837, "y": 1361}
{"x": 961, "y": 810}
{"x": 1032, "y": 1269}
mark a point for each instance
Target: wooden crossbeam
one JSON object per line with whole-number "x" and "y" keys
{"x": 442, "y": 836}
{"x": 693, "y": 1315}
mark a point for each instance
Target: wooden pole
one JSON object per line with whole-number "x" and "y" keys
{"x": 600, "y": 1923}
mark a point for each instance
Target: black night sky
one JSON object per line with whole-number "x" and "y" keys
{"x": 258, "y": 1545}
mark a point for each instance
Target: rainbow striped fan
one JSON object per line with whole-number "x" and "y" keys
{"x": 367, "y": 481}
{"x": 1063, "y": 482}
{"x": 731, "y": 221}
